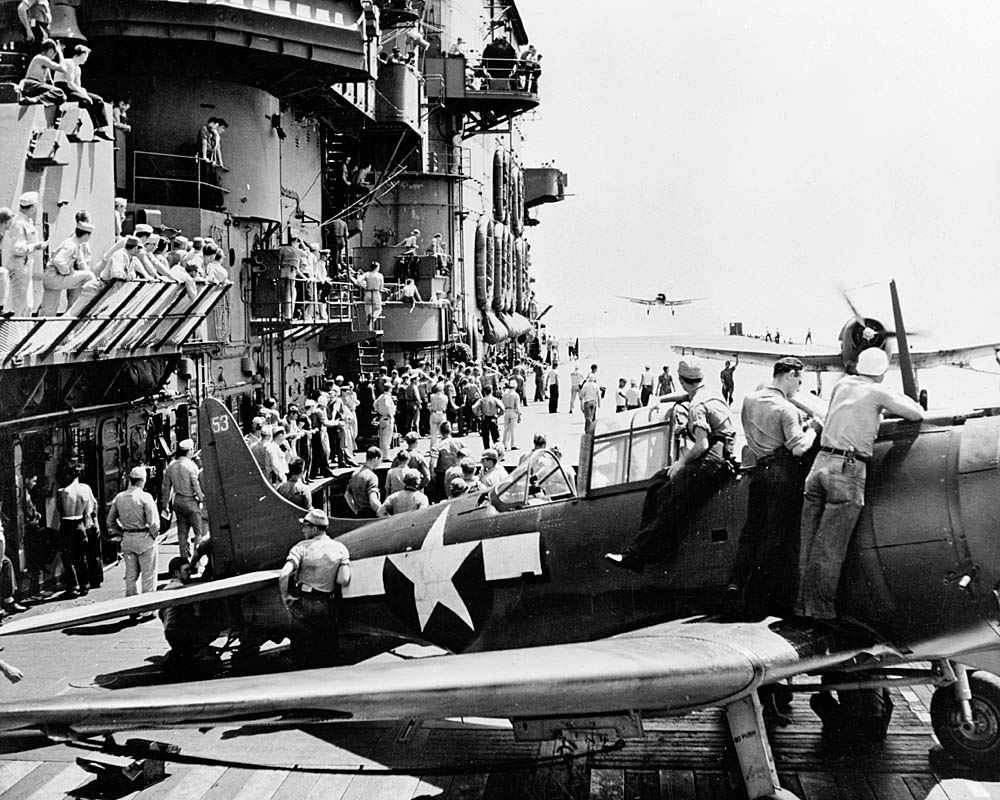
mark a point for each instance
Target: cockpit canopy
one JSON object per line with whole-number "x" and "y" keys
{"x": 630, "y": 447}
{"x": 540, "y": 478}
{"x": 623, "y": 450}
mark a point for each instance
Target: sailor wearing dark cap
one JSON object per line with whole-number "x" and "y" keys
{"x": 763, "y": 579}
{"x": 319, "y": 564}
{"x": 182, "y": 493}
{"x": 493, "y": 473}
{"x": 134, "y": 517}
{"x": 695, "y": 475}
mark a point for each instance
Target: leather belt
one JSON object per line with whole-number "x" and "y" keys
{"x": 775, "y": 455}
{"x": 851, "y": 455}
{"x": 317, "y": 592}
{"x": 135, "y": 530}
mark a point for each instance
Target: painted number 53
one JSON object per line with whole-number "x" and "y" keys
{"x": 220, "y": 424}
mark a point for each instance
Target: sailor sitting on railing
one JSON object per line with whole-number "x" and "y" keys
{"x": 68, "y": 272}
{"x": 194, "y": 261}
{"x": 215, "y": 269}
{"x": 124, "y": 263}
{"x": 143, "y": 267}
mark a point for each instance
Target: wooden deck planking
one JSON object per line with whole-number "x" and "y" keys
{"x": 33, "y": 780}
{"x": 676, "y": 784}
{"x": 260, "y": 785}
{"x": 821, "y": 786}
{"x": 432, "y": 787}
{"x": 467, "y": 787}
{"x": 855, "y": 787}
{"x": 295, "y": 786}
{"x": 642, "y": 785}
{"x": 962, "y": 789}
{"x": 397, "y": 787}
{"x": 689, "y": 758}
{"x": 607, "y": 784}
{"x": 712, "y": 785}
{"x": 13, "y": 771}
{"x": 62, "y": 783}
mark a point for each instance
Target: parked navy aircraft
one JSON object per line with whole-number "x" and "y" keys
{"x": 858, "y": 333}
{"x": 542, "y": 631}
{"x": 662, "y": 301}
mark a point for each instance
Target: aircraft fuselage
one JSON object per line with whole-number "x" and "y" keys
{"x": 473, "y": 575}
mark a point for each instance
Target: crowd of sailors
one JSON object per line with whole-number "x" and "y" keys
{"x": 72, "y": 277}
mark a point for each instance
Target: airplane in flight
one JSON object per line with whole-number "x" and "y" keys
{"x": 541, "y": 630}
{"x": 661, "y": 301}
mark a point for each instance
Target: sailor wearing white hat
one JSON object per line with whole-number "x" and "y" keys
{"x": 835, "y": 486}
{"x": 182, "y": 493}
{"x": 68, "y": 270}
{"x": 20, "y": 244}
{"x": 320, "y": 564}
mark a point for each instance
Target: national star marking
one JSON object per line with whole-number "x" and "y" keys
{"x": 431, "y": 570}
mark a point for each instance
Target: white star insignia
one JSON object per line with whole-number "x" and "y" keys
{"x": 431, "y": 569}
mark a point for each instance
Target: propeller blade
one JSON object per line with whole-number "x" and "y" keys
{"x": 858, "y": 316}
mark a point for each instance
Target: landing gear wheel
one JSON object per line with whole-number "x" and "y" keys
{"x": 978, "y": 745}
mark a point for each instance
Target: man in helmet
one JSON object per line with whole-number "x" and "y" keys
{"x": 835, "y": 486}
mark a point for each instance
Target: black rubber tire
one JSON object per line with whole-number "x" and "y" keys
{"x": 981, "y": 747}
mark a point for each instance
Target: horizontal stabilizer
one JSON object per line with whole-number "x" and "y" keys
{"x": 142, "y": 603}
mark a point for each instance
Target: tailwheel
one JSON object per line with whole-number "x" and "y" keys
{"x": 976, "y": 743}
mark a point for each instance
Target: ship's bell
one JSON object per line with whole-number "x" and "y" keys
{"x": 64, "y": 24}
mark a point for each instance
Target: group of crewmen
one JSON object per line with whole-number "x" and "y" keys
{"x": 71, "y": 273}
{"x": 796, "y": 510}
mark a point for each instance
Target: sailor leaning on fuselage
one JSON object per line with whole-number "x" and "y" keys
{"x": 835, "y": 487}
{"x": 763, "y": 577}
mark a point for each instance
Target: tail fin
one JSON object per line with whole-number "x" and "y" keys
{"x": 253, "y": 527}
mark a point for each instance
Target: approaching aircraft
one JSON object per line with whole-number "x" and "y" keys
{"x": 661, "y": 301}
{"x": 542, "y": 631}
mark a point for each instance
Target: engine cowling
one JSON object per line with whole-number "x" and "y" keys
{"x": 858, "y": 335}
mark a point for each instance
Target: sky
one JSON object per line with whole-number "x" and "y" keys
{"x": 763, "y": 154}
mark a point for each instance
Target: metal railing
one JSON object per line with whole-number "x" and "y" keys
{"x": 451, "y": 161}
{"x": 301, "y": 301}
{"x": 124, "y": 316}
{"x": 502, "y": 74}
{"x": 176, "y": 180}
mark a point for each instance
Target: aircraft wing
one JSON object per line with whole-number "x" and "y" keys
{"x": 683, "y": 302}
{"x": 141, "y": 604}
{"x": 816, "y": 357}
{"x": 641, "y": 300}
{"x": 757, "y": 351}
{"x": 956, "y": 357}
{"x": 671, "y": 668}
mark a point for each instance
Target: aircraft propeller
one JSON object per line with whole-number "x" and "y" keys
{"x": 860, "y": 333}
{"x": 870, "y": 331}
